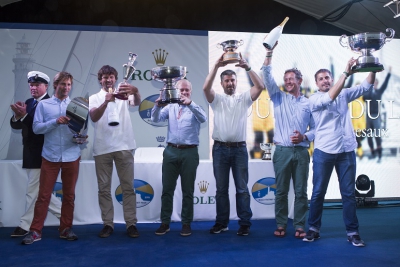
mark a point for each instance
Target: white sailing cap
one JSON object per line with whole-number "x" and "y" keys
{"x": 38, "y": 77}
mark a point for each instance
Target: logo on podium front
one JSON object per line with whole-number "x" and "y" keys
{"x": 144, "y": 193}
{"x": 264, "y": 190}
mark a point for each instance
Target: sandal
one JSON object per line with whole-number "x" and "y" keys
{"x": 298, "y": 234}
{"x": 281, "y": 231}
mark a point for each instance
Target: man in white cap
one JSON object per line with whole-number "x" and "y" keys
{"x": 32, "y": 149}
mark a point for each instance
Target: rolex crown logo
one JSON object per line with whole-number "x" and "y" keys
{"x": 203, "y": 186}
{"x": 160, "y": 56}
{"x": 160, "y": 139}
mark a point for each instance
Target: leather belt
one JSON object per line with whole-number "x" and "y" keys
{"x": 181, "y": 146}
{"x": 231, "y": 144}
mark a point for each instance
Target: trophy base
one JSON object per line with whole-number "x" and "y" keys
{"x": 231, "y": 61}
{"x": 170, "y": 101}
{"x": 267, "y": 156}
{"x": 231, "y": 57}
{"x": 368, "y": 67}
{"x": 121, "y": 96}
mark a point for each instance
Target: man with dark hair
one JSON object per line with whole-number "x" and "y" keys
{"x": 335, "y": 143}
{"x": 180, "y": 157}
{"x": 59, "y": 152}
{"x": 32, "y": 150}
{"x": 294, "y": 129}
{"x": 229, "y": 149}
{"x": 114, "y": 143}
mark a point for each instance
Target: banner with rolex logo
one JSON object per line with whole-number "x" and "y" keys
{"x": 83, "y": 53}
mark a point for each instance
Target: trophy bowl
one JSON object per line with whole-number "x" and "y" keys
{"x": 78, "y": 111}
{"x": 365, "y": 44}
{"x": 169, "y": 75}
{"x": 230, "y": 47}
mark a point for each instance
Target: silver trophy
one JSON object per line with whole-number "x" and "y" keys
{"x": 78, "y": 111}
{"x": 267, "y": 147}
{"x": 230, "y": 46}
{"x": 169, "y": 75}
{"x": 128, "y": 70}
{"x": 365, "y": 44}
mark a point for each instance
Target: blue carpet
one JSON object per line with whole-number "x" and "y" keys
{"x": 379, "y": 227}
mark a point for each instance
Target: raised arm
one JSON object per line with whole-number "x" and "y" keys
{"x": 207, "y": 87}
{"x": 258, "y": 85}
{"x": 335, "y": 90}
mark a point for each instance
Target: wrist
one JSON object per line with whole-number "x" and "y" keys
{"x": 346, "y": 74}
{"x": 248, "y": 69}
{"x": 269, "y": 54}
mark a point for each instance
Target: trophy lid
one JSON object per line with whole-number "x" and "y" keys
{"x": 168, "y": 73}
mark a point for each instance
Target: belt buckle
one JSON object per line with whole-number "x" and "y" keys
{"x": 228, "y": 144}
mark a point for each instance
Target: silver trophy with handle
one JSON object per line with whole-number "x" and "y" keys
{"x": 78, "y": 112}
{"x": 267, "y": 147}
{"x": 365, "y": 44}
{"x": 169, "y": 75}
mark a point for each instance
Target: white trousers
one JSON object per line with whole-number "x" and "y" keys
{"x": 31, "y": 196}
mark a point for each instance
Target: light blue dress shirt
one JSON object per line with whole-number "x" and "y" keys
{"x": 58, "y": 145}
{"x": 333, "y": 128}
{"x": 183, "y": 122}
{"x": 290, "y": 113}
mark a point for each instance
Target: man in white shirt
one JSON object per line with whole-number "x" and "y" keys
{"x": 229, "y": 150}
{"x": 114, "y": 143}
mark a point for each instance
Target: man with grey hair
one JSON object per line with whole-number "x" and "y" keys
{"x": 32, "y": 148}
{"x": 180, "y": 157}
{"x": 294, "y": 129}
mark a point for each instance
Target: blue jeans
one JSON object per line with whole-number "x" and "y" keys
{"x": 345, "y": 165}
{"x": 225, "y": 158}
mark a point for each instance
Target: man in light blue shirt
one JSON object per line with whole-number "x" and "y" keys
{"x": 59, "y": 152}
{"x": 335, "y": 143}
{"x": 181, "y": 156}
{"x": 294, "y": 129}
